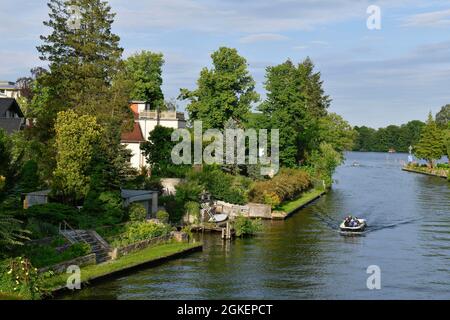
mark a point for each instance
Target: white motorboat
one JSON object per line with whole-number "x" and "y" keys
{"x": 362, "y": 224}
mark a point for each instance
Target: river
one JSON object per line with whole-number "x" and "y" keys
{"x": 305, "y": 257}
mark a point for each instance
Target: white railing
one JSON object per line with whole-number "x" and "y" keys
{"x": 163, "y": 115}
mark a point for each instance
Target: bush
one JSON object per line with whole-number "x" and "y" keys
{"x": 286, "y": 185}
{"x": 41, "y": 229}
{"x": 222, "y": 186}
{"x": 139, "y": 231}
{"x": 162, "y": 216}
{"x": 29, "y": 178}
{"x": 53, "y": 213}
{"x": 103, "y": 208}
{"x": 47, "y": 255}
{"x": 188, "y": 191}
{"x": 325, "y": 161}
{"x": 174, "y": 206}
{"x": 193, "y": 209}
{"x": 137, "y": 212}
{"x": 19, "y": 277}
{"x": 153, "y": 184}
{"x": 246, "y": 227}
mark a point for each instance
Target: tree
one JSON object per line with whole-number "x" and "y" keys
{"x": 27, "y": 89}
{"x": 295, "y": 103}
{"x": 365, "y": 139}
{"x": 85, "y": 66}
{"x": 144, "y": 69}
{"x": 316, "y": 101}
{"x": 399, "y": 138}
{"x": 225, "y": 91}
{"x": 86, "y": 74}
{"x": 337, "y": 132}
{"x": 11, "y": 232}
{"x": 443, "y": 116}
{"x": 29, "y": 177}
{"x": 158, "y": 148}
{"x": 8, "y": 165}
{"x": 447, "y": 143}
{"x": 325, "y": 160}
{"x": 76, "y": 139}
{"x": 430, "y": 146}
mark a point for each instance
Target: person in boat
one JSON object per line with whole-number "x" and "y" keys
{"x": 348, "y": 221}
{"x": 354, "y": 222}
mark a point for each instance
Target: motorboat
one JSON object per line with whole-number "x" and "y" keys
{"x": 362, "y": 224}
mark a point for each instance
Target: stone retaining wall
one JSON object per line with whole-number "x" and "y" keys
{"x": 251, "y": 210}
{"x": 175, "y": 235}
{"x": 80, "y": 262}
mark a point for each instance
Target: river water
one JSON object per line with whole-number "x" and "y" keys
{"x": 305, "y": 257}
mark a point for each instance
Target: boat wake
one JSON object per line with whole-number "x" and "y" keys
{"x": 332, "y": 223}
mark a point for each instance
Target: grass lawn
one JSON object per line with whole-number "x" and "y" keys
{"x": 9, "y": 296}
{"x": 438, "y": 171}
{"x": 131, "y": 260}
{"x": 293, "y": 205}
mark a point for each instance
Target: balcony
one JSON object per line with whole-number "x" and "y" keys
{"x": 163, "y": 115}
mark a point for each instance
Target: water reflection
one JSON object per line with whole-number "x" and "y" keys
{"x": 305, "y": 257}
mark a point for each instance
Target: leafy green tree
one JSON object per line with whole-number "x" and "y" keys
{"x": 295, "y": 103}
{"x": 225, "y": 91}
{"x": 443, "y": 116}
{"x": 76, "y": 139}
{"x": 447, "y": 143}
{"x": 431, "y": 144}
{"x": 325, "y": 160}
{"x": 409, "y": 134}
{"x": 398, "y": 138}
{"x": 365, "y": 139}
{"x": 337, "y": 132}
{"x": 144, "y": 69}
{"x": 158, "y": 148}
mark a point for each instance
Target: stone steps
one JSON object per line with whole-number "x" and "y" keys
{"x": 98, "y": 247}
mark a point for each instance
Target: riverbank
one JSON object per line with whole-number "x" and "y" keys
{"x": 144, "y": 258}
{"x": 441, "y": 173}
{"x": 288, "y": 208}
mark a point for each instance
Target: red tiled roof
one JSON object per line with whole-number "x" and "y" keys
{"x": 133, "y": 136}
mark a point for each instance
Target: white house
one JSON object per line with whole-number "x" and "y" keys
{"x": 8, "y": 89}
{"x": 145, "y": 120}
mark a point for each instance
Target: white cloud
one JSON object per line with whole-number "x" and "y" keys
{"x": 250, "y": 16}
{"x": 429, "y": 19}
{"x": 263, "y": 37}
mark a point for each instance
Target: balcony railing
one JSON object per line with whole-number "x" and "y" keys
{"x": 163, "y": 115}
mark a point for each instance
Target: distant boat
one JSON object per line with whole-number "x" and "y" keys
{"x": 391, "y": 150}
{"x": 355, "y": 164}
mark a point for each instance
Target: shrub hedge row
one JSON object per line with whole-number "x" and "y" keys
{"x": 286, "y": 185}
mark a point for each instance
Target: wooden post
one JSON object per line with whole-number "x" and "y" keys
{"x": 228, "y": 231}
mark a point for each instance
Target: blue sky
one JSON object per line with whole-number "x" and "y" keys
{"x": 375, "y": 77}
